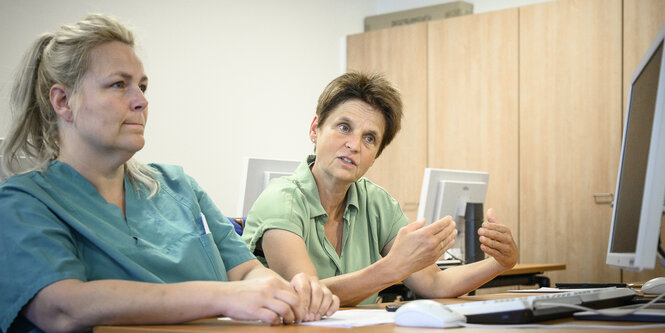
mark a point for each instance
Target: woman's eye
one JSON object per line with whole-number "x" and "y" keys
{"x": 369, "y": 139}
{"x": 118, "y": 84}
{"x": 143, "y": 87}
{"x": 344, "y": 127}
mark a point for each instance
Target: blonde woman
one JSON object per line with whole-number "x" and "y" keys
{"x": 92, "y": 237}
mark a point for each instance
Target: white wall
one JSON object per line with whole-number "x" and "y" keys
{"x": 227, "y": 78}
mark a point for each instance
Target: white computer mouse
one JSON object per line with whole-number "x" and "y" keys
{"x": 427, "y": 313}
{"x": 654, "y": 286}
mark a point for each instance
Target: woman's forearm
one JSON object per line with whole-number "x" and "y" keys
{"x": 353, "y": 288}
{"x": 74, "y": 305}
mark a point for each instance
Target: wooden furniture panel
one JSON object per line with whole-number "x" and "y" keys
{"x": 570, "y": 115}
{"x": 642, "y": 19}
{"x": 401, "y": 54}
{"x": 473, "y": 110}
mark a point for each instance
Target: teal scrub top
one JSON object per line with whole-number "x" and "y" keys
{"x": 372, "y": 219}
{"x": 56, "y": 225}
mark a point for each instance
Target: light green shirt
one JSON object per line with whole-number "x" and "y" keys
{"x": 372, "y": 218}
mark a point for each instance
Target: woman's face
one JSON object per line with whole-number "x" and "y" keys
{"x": 347, "y": 143}
{"x": 110, "y": 109}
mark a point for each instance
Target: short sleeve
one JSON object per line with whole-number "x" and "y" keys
{"x": 36, "y": 249}
{"x": 389, "y": 212}
{"x": 231, "y": 247}
{"x": 280, "y": 206}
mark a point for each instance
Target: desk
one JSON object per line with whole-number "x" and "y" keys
{"x": 521, "y": 274}
{"x": 524, "y": 274}
{"x": 214, "y": 325}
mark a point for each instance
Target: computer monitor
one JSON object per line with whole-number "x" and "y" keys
{"x": 640, "y": 191}
{"x": 257, "y": 172}
{"x": 3, "y": 174}
{"x": 446, "y": 193}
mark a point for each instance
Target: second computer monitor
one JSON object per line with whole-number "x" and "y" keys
{"x": 638, "y": 206}
{"x": 257, "y": 172}
{"x": 446, "y": 193}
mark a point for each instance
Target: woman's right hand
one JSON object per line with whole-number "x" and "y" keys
{"x": 417, "y": 246}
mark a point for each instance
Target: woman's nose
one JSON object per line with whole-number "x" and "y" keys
{"x": 353, "y": 142}
{"x": 139, "y": 101}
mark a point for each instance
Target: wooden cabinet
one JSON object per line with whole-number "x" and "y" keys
{"x": 473, "y": 110}
{"x": 401, "y": 54}
{"x": 535, "y": 95}
{"x": 570, "y": 120}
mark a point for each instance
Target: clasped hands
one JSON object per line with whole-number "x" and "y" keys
{"x": 276, "y": 301}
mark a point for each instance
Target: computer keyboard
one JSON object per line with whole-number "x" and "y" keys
{"x": 525, "y": 309}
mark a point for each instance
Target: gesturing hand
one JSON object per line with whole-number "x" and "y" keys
{"x": 314, "y": 296}
{"x": 497, "y": 241}
{"x": 416, "y": 246}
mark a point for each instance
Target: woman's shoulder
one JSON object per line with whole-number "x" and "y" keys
{"x": 369, "y": 188}
{"x": 168, "y": 171}
{"x": 375, "y": 195}
{"x": 23, "y": 182}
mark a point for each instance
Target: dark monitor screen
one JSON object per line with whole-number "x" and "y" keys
{"x": 635, "y": 155}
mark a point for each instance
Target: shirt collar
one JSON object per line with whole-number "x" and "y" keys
{"x": 306, "y": 179}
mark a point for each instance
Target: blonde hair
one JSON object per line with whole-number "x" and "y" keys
{"x": 62, "y": 57}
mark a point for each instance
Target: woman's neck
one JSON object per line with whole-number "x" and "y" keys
{"x": 105, "y": 174}
{"x": 331, "y": 194}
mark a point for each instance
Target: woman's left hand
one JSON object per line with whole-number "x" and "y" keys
{"x": 497, "y": 241}
{"x": 315, "y": 296}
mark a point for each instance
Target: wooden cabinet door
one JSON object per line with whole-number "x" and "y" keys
{"x": 401, "y": 54}
{"x": 570, "y": 120}
{"x": 473, "y": 94}
{"x": 642, "y": 19}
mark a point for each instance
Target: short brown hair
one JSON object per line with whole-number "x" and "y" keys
{"x": 372, "y": 89}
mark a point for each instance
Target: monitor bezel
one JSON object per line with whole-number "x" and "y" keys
{"x": 651, "y": 209}
{"x": 433, "y": 176}
{"x": 253, "y": 178}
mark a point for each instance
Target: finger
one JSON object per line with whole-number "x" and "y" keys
{"x": 302, "y": 286}
{"x": 334, "y": 306}
{"x": 266, "y": 316}
{"x": 441, "y": 228}
{"x": 445, "y": 247}
{"x": 491, "y": 243}
{"x": 317, "y": 297}
{"x": 490, "y": 215}
{"x": 282, "y": 310}
{"x": 287, "y": 304}
{"x": 492, "y": 252}
{"x": 326, "y": 301}
{"x": 496, "y": 231}
{"x": 415, "y": 225}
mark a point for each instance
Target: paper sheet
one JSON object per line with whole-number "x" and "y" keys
{"x": 355, "y": 317}
{"x": 546, "y": 290}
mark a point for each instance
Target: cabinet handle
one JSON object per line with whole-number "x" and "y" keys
{"x": 604, "y": 198}
{"x": 410, "y": 205}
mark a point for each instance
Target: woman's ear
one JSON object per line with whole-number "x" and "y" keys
{"x": 60, "y": 98}
{"x": 313, "y": 129}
